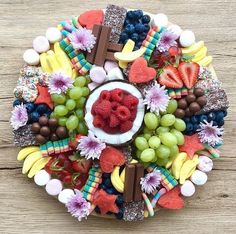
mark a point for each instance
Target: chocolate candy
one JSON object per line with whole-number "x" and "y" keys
{"x": 53, "y": 122}
{"x": 40, "y": 139}
{"x": 35, "y": 127}
{"x": 194, "y": 107}
{"x": 45, "y": 131}
{"x": 199, "y": 92}
{"x": 190, "y": 98}
{"x": 182, "y": 103}
{"x": 201, "y": 101}
{"x": 43, "y": 120}
{"x": 61, "y": 132}
{"x": 54, "y": 137}
{"x": 179, "y": 113}
{"x": 139, "y": 173}
{"x": 129, "y": 183}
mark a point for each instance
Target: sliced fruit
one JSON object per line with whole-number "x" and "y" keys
{"x": 30, "y": 160}
{"x": 170, "y": 78}
{"x": 206, "y": 61}
{"x": 26, "y": 151}
{"x": 40, "y": 164}
{"x": 194, "y": 48}
{"x": 44, "y": 63}
{"x": 129, "y": 57}
{"x": 128, "y": 47}
{"x": 189, "y": 73}
{"x": 201, "y": 54}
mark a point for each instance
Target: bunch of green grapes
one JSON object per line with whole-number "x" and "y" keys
{"x": 69, "y": 109}
{"x": 160, "y": 137}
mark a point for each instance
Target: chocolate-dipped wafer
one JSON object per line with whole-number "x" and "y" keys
{"x": 114, "y": 47}
{"x": 129, "y": 183}
{"x": 139, "y": 173}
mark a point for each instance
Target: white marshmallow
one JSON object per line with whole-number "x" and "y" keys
{"x": 199, "y": 177}
{"x": 54, "y": 187}
{"x": 53, "y": 35}
{"x": 205, "y": 164}
{"x": 92, "y": 86}
{"x": 187, "y": 38}
{"x": 115, "y": 74}
{"x": 31, "y": 57}
{"x": 187, "y": 189}
{"x": 42, "y": 178}
{"x": 160, "y": 20}
{"x": 65, "y": 195}
{"x": 175, "y": 29}
{"x": 97, "y": 74}
{"x": 109, "y": 65}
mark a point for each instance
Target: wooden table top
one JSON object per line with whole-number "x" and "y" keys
{"x": 26, "y": 208}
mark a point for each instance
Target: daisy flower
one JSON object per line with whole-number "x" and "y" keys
{"x": 167, "y": 39}
{"x": 210, "y": 134}
{"x": 90, "y": 146}
{"x": 82, "y": 39}
{"x": 156, "y": 98}
{"x": 59, "y": 83}
{"x": 19, "y": 116}
{"x": 151, "y": 181}
{"x": 78, "y": 206}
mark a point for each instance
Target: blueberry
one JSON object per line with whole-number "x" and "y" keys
{"x": 123, "y": 37}
{"x": 186, "y": 119}
{"x": 146, "y": 19}
{"x": 220, "y": 116}
{"x": 215, "y": 123}
{"x": 134, "y": 37}
{"x": 129, "y": 29}
{"x": 17, "y": 102}
{"x": 146, "y": 28}
{"x": 120, "y": 214}
{"x": 189, "y": 127}
{"x": 225, "y": 112}
{"x": 194, "y": 119}
{"x": 41, "y": 109}
{"x": 195, "y": 127}
{"x": 139, "y": 44}
{"x": 142, "y": 36}
{"x": 108, "y": 183}
{"x": 139, "y": 28}
{"x": 202, "y": 118}
{"x": 211, "y": 116}
{"x": 127, "y": 21}
{"x": 106, "y": 175}
{"x": 119, "y": 200}
{"x": 30, "y": 107}
{"x": 138, "y": 14}
{"x": 34, "y": 116}
{"x": 97, "y": 210}
{"x": 130, "y": 15}
{"x": 110, "y": 190}
{"x": 221, "y": 123}
{"x": 103, "y": 186}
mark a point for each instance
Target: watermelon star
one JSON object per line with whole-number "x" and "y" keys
{"x": 105, "y": 202}
{"x": 191, "y": 145}
{"x": 44, "y": 97}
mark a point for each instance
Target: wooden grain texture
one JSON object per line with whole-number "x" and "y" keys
{"x": 25, "y": 208}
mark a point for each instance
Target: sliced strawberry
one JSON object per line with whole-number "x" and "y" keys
{"x": 170, "y": 78}
{"x": 189, "y": 73}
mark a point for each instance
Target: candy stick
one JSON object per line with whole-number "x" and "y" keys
{"x": 148, "y": 204}
{"x": 157, "y": 196}
{"x": 214, "y": 152}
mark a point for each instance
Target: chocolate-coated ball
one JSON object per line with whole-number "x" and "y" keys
{"x": 43, "y": 120}
{"x": 190, "y": 98}
{"x": 201, "y": 101}
{"x": 35, "y": 127}
{"x": 198, "y": 92}
{"x": 40, "y": 139}
{"x": 54, "y": 137}
{"x": 53, "y": 122}
{"x": 194, "y": 107}
{"x": 182, "y": 103}
{"x": 188, "y": 113}
{"x": 45, "y": 131}
{"x": 179, "y": 113}
{"x": 61, "y": 132}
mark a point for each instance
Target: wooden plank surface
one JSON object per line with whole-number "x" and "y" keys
{"x": 25, "y": 208}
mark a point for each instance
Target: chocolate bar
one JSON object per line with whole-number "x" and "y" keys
{"x": 139, "y": 173}
{"x": 129, "y": 182}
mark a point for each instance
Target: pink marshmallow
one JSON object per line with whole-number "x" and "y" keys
{"x": 187, "y": 189}
{"x": 92, "y": 86}
{"x": 108, "y": 66}
{"x": 205, "y": 164}
{"x": 41, "y": 44}
{"x": 97, "y": 74}
{"x": 54, "y": 187}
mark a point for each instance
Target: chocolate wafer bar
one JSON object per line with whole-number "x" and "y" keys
{"x": 139, "y": 173}
{"x": 129, "y": 182}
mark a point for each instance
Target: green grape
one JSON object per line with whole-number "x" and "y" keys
{"x": 62, "y": 121}
{"x": 75, "y": 93}
{"x": 162, "y": 161}
{"x": 179, "y": 125}
{"x": 72, "y": 122}
{"x": 52, "y": 115}
{"x": 141, "y": 143}
{"x": 70, "y": 104}
{"x": 154, "y": 159}
{"x": 58, "y": 98}
{"x": 168, "y": 139}
{"x": 174, "y": 150}
{"x": 82, "y": 128}
{"x": 146, "y": 130}
{"x": 80, "y": 102}
{"x": 162, "y": 152}
{"x": 147, "y": 155}
{"x": 138, "y": 153}
{"x": 167, "y": 120}
{"x": 85, "y": 91}
{"x": 172, "y": 106}
{"x": 163, "y": 113}
{"x": 162, "y": 130}
{"x": 60, "y": 110}
{"x": 80, "y": 114}
{"x": 80, "y": 81}
{"x": 179, "y": 136}
{"x": 147, "y": 136}
{"x": 154, "y": 142}
{"x": 151, "y": 121}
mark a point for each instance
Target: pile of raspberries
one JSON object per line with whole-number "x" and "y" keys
{"x": 115, "y": 111}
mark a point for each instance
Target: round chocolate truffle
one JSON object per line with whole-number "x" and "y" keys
{"x": 54, "y": 137}
{"x": 188, "y": 113}
{"x": 179, "y": 113}
{"x": 61, "y": 132}
{"x": 190, "y": 98}
{"x": 182, "y": 103}
{"x": 43, "y": 120}
{"x": 194, "y": 107}
{"x": 201, "y": 101}
{"x": 45, "y": 131}
{"x": 52, "y": 122}
{"x": 198, "y": 92}
{"x": 40, "y": 139}
{"x": 35, "y": 127}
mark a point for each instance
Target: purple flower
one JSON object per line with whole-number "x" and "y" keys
{"x": 151, "y": 181}
{"x": 167, "y": 39}
{"x": 156, "y": 98}
{"x": 59, "y": 83}
{"x": 90, "y": 146}
{"x": 19, "y": 116}
{"x": 82, "y": 39}
{"x": 210, "y": 134}
{"x": 78, "y": 206}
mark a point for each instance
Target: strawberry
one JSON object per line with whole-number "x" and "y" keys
{"x": 189, "y": 73}
{"x": 82, "y": 165}
{"x": 170, "y": 78}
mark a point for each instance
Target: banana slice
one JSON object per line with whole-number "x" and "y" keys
{"x": 116, "y": 181}
{"x": 26, "y": 151}
{"x": 177, "y": 164}
{"x": 40, "y": 164}
{"x": 129, "y": 57}
{"x": 30, "y": 160}
{"x": 201, "y": 54}
{"x": 194, "y": 48}
{"x": 206, "y": 61}
{"x": 44, "y": 63}
{"x": 128, "y": 47}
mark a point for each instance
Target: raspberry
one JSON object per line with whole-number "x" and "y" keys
{"x": 114, "y": 121}
{"x": 114, "y": 106}
{"x": 126, "y": 126}
{"x": 94, "y": 107}
{"x": 117, "y": 95}
{"x": 103, "y": 109}
{"x": 98, "y": 122}
{"x": 110, "y": 130}
{"x": 123, "y": 113}
{"x": 133, "y": 114}
{"x": 105, "y": 95}
{"x": 130, "y": 101}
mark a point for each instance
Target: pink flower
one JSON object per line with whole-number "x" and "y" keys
{"x": 59, "y": 83}
{"x": 167, "y": 39}
{"x": 82, "y": 39}
{"x": 19, "y": 116}
{"x": 210, "y": 134}
{"x": 151, "y": 181}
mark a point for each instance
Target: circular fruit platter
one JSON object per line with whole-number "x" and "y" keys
{"x": 118, "y": 113}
